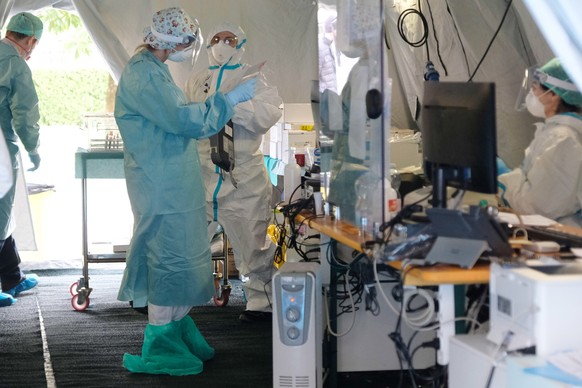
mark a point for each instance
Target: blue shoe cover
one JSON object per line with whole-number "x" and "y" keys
{"x": 30, "y": 281}
{"x": 195, "y": 341}
{"x": 164, "y": 352}
{"x": 6, "y": 300}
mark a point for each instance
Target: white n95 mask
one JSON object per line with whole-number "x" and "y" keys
{"x": 534, "y": 105}
{"x": 180, "y": 56}
{"x": 222, "y": 52}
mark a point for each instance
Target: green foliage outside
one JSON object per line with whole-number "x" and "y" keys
{"x": 64, "y": 96}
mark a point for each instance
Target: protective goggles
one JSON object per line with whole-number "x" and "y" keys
{"x": 230, "y": 41}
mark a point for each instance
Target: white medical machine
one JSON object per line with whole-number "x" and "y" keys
{"x": 538, "y": 304}
{"x": 297, "y": 326}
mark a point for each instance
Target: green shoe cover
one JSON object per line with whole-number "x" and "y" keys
{"x": 164, "y": 352}
{"x": 195, "y": 341}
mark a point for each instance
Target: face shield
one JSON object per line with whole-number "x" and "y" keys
{"x": 193, "y": 41}
{"x": 526, "y": 85}
{"x": 534, "y": 76}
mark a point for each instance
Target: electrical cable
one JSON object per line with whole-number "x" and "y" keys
{"x": 459, "y": 37}
{"x": 400, "y": 23}
{"x": 352, "y": 324}
{"x": 438, "y": 49}
{"x": 411, "y": 324}
{"x": 475, "y": 308}
{"x": 491, "y": 41}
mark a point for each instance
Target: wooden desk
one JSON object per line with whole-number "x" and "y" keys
{"x": 445, "y": 276}
{"x": 434, "y": 275}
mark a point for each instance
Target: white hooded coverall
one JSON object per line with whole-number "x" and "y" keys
{"x": 549, "y": 181}
{"x": 244, "y": 211}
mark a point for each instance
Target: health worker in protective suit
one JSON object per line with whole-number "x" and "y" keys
{"x": 168, "y": 265}
{"x": 19, "y": 118}
{"x": 241, "y": 205}
{"x": 549, "y": 180}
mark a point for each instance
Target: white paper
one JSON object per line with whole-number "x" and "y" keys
{"x": 529, "y": 219}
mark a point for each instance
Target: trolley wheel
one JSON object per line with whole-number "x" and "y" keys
{"x": 73, "y": 289}
{"x": 217, "y": 283}
{"x": 222, "y": 300}
{"x": 79, "y": 306}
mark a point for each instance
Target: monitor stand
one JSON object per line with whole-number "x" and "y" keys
{"x": 459, "y": 251}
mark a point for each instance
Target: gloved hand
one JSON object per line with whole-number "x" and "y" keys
{"x": 35, "y": 159}
{"x": 242, "y": 92}
{"x": 502, "y": 167}
{"x": 501, "y": 189}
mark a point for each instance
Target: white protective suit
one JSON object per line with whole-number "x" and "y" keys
{"x": 549, "y": 181}
{"x": 244, "y": 211}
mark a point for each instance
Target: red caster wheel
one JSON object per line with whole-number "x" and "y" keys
{"x": 73, "y": 288}
{"x": 222, "y": 300}
{"x": 79, "y": 306}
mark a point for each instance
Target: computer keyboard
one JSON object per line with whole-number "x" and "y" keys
{"x": 549, "y": 233}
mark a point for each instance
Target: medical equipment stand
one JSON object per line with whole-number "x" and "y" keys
{"x": 108, "y": 162}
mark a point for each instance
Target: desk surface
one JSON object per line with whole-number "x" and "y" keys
{"x": 349, "y": 235}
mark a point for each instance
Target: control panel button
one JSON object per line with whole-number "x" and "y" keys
{"x": 293, "y": 333}
{"x": 293, "y": 315}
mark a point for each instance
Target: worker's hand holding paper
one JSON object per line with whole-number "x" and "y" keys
{"x": 253, "y": 71}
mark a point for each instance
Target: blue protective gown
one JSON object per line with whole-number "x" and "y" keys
{"x": 169, "y": 260}
{"x": 18, "y": 119}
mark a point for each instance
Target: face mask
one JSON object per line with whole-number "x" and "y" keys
{"x": 222, "y": 52}
{"x": 26, "y": 53}
{"x": 180, "y": 56}
{"x": 534, "y": 105}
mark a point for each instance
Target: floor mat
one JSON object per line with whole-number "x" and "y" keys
{"x": 86, "y": 348}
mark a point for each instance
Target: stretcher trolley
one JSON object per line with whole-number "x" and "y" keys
{"x": 93, "y": 164}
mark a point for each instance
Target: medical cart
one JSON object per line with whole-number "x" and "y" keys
{"x": 99, "y": 165}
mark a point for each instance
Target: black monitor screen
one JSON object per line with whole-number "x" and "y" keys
{"x": 459, "y": 137}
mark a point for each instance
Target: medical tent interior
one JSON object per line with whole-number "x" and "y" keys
{"x": 467, "y": 40}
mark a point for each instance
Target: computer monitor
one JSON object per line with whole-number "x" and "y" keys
{"x": 458, "y": 129}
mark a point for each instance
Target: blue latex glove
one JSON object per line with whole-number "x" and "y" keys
{"x": 35, "y": 159}
{"x": 242, "y": 92}
{"x": 502, "y": 167}
{"x": 501, "y": 189}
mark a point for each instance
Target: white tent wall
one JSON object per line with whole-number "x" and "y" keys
{"x": 283, "y": 32}
{"x": 464, "y": 29}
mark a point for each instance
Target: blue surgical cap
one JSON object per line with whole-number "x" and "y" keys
{"x": 568, "y": 92}
{"x": 26, "y": 23}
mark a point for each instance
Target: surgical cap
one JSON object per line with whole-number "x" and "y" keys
{"x": 171, "y": 26}
{"x": 25, "y": 23}
{"x": 567, "y": 93}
